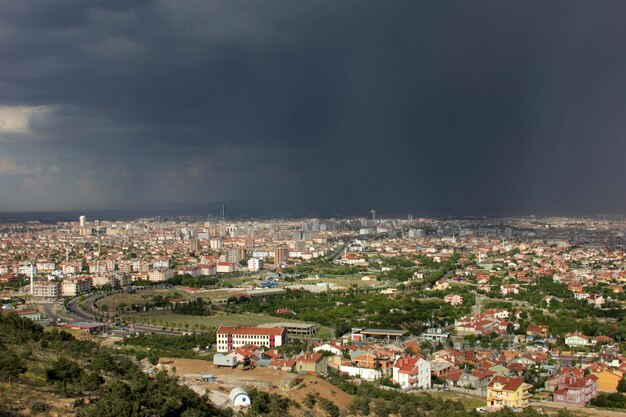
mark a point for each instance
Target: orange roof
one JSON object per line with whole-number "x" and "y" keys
{"x": 508, "y": 384}
{"x": 310, "y": 357}
{"x": 268, "y": 331}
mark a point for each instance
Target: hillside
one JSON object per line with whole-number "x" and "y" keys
{"x": 52, "y": 373}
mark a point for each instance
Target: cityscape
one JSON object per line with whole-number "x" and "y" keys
{"x": 520, "y": 313}
{"x": 277, "y": 208}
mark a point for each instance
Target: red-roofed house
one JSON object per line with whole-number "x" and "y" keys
{"x": 507, "y": 392}
{"x": 412, "y": 372}
{"x": 575, "y": 388}
{"x": 313, "y": 363}
{"x": 230, "y": 338}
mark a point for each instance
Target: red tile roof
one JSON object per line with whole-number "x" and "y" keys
{"x": 268, "y": 331}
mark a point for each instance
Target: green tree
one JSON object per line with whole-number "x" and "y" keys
{"x": 11, "y": 366}
{"x": 360, "y": 406}
{"x": 621, "y": 385}
{"x": 64, "y": 371}
{"x": 153, "y": 358}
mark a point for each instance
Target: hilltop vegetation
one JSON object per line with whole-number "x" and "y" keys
{"x": 350, "y": 309}
{"x": 54, "y": 371}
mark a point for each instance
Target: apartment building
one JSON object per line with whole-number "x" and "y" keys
{"x": 46, "y": 289}
{"x": 72, "y": 287}
{"x": 162, "y": 274}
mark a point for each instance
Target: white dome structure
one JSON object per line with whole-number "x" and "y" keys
{"x": 239, "y": 398}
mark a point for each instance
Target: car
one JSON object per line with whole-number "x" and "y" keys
{"x": 481, "y": 409}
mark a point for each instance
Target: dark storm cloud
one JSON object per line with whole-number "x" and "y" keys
{"x": 432, "y": 107}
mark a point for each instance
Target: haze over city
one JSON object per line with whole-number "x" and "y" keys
{"x": 317, "y": 108}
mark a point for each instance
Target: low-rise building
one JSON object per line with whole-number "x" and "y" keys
{"x": 576, "y": 340}
{"x": 231, "y": 338}
{"x": 574, "y": 387}
{"x": 608, "y": 379}
{"x": 412, "y": 373}
{"x": 453, "y": 299}
{"x": 314, "y": 363}
{"x": 225, "y": 267}
{"x": 509, "y": 392}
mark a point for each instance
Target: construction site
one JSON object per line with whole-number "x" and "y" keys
{"x": 218, "y": 382}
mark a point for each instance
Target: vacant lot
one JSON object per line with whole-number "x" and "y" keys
{"x": 261, "y": 377}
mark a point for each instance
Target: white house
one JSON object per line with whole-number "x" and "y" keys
{"x": 412, "y": 373}
{"x": 576, "y": 339}
{"x": 453, "y": 299}
{"x": 333, "y": 347}
{"x": 225, "y": 267}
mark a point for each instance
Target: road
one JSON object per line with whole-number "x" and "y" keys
{"x": 83, "y": 313}
{"x": 337, "y": 252}
{"x": 56, "y": 312}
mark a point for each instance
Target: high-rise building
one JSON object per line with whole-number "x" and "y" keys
{"x": 281, "y": 255}
{"x": 82, "y": 221}
{"x": 235, "y": 255}
{"x": 254, "y": 264}
{"x": 216, "y": 244}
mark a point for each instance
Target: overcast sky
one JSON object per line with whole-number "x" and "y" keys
{"x": 481, "y": 107}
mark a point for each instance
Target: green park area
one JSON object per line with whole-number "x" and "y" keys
{"x": 141, "y": 298}
{"x": 169, "y": 319}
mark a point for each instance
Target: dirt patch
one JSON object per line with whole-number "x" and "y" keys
{"x": 111, "y": 340}
{"x": 262, "y": 378}
{"x": 319, "y": 388}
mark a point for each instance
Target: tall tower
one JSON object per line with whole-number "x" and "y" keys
{"x": 82, "y": 220}
{"x": 32, "y": 279}
{"x": 373, "y": 214}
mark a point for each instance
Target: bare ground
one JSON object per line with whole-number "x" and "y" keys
{"x": 263, "y": 378}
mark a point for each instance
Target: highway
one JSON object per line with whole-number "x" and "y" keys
{"x": 337, "y": 252}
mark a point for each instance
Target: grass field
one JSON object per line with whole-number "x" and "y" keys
{"x": 345, "y": 281}
{"x": 139, "y": 298}
{"x": 170, "y": 319}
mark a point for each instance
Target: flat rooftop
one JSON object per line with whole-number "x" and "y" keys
{"x": 383, "y": 332}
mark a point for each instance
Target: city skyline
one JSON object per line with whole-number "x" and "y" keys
{"x": 322, "y": 108}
